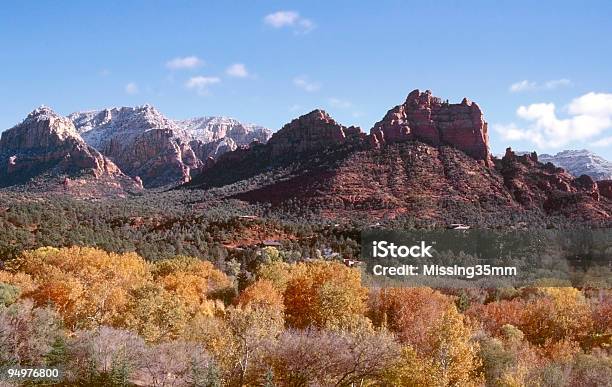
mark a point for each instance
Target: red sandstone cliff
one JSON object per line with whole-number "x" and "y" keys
{"x": 605, "y": 188}
{"x": 429, "y": 119}
{"x": 312, "y": 132}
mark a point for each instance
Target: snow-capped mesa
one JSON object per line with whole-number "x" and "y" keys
{"x": 158, "y": 150}
{"x": 98, "y": 127}
{"x": 210, "y": 129}
{"x": 581, "y": 162}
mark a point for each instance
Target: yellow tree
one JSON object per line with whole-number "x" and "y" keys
{"x": 277, "y": 272}
{"x": 191, "y": 281}
{"x": 261, "y": 294}
{"x": 155, "y": 314}
{"x": 557, "y": 314}
{"x": 410, "y": 370}
{"x": 324, "y": 294}
{"x": 453, "y": 353}
{"x": 88, "y": 286}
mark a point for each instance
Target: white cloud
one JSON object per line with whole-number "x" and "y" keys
{"x": 292, "y": 19}
{"x": 339, "y": 103}
{"x": 131, "y": 88}
{"x": 556, "y": 83}
{"x": 589, "y": 116}
{"x": 201, "y": 83}
{"x": 526, "y": 85}
{"x": 511, "y": 132}
{"x": 305, "y": 84}
{"x": 187, "y": 62}
{"x": 281, "y": 19}
{"x": 596, "y": 104}
{"x": 522, "y": 86}
{"x": 237, "y": 70}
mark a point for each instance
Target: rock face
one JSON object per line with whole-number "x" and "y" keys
{"x": 46, "y": 143}
{"x": 312, "y": 132}
{"x": 605, "y": 188}
{"x": 160, "y": 151}
{"x": 534, "y": 184}
{"x": 314, "y": 164}
{"x": 213, "y": 149}
{"x": 581, "y": 162}
{"x": 429, "y": 119}
{"x": 141, "y": 141}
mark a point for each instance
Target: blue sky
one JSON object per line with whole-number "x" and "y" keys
{"x": 541, "y": 71}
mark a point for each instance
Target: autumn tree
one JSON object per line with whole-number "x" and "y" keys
{"x": 508, "y": 360}
{"x": 324, "y": 294}
{"x": 277, "y": 272}
{"x": 262, "y": 295}
{"x": 409, "y": 312}
{"x": 88, "y": 286}
{"x": 251, "y": 328}
{"x": 155, "y": 314}
{"x": 556, "y": 314}
{"x": 410, "y": 370}
{"x": 494, "y": 315}
{"x": 453, "y": 353}
{"x": 8, "y": 294}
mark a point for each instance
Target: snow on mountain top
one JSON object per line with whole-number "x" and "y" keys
{"x": 208, "y": 129}
{"x": 571, "y": 152}
{"x": 42, "y": 112}
{"x": 581, "y": 162}
{"x": 98, "y": 126}
{"x": 57, "y": 124}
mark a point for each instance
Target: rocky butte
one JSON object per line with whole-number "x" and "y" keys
{"x": 427, "y": 118}
{"x": 312, "y": 132}
{"x": 422, "y": 117}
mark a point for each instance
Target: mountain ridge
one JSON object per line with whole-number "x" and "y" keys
{"x": 160, "y": 150}
{"x": 47, "y": 144}
{"x": 416, "y": 160}
{"x": 426, "y": 157}
{"x": 581, "y": 162}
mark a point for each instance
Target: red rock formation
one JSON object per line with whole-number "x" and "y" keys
{"x": 605, "y": 188}
{"x": 46, "y": 143}
{"x": 585, "y": 183}
{"x": 537, "y": 185}
{"x": 312, "y": 132}
{"x": 429, "y": 119}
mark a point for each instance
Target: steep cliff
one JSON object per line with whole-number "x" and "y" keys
{"x": 427, "y": 118}
{"x": 46, "y": 144}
